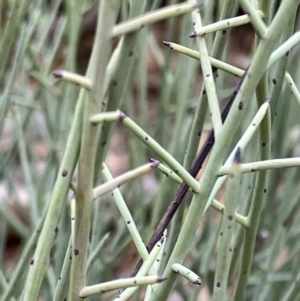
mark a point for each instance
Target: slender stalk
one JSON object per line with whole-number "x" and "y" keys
{"x": 186, "y": 273}
{"x": 263, "y": 165}
{"x": 108, "y": 12}
{"x": 225, "y": 247}
{"x": 117, "y": 182}
{"x": 131, "y": 226}
{"x": 257, "y": 202}
{"x": 152, "y": 17}
{"x": 289, "y": 80}
{"x": 214, "y": 62}
{"x": 73, "y": 78}
{"x": 284, "y": 48}
{"x": 207, "y": 76}
{"x": 223, "y": 25}
{"x": 119, "y": 284}
{"x": 61, "y": 290}
{"x": 60, "y": 190}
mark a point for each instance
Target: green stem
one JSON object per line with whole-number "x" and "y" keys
{"x": 208, "y": 76}
{"x": 107, "y": 15}
{"x": 255, "y": 72}
{"x": 257, "y": 201}
{"x": 119, "y": 284}
{"x": 152, "y": 17}
{"x": 225, "y": 244}
{"x": 255, "y": 18}
{"x": 223, "y": 25}
{"x": 150, "y": 142}
{"x": 126, "y": 177}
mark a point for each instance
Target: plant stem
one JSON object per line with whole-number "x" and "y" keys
{"x": 256, "y": 70}
{"x": 225, "y": 247}
{"x": 108, "y": 12}
{"x": 152, "y": 17}
{"x": 207, "y": 76}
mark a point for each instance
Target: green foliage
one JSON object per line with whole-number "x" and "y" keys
{"x": 76, "y": 225}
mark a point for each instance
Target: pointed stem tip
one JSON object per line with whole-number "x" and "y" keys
{"x": 193, "y": 34}
{"x": 154, "y": 163}
{"x": 161, "y": 279}
{"x": 238, "y": 156}
{"x": 168, "y": 44}
{"x": 57, "y": 74}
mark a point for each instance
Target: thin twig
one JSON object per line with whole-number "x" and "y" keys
{"x": 183, "y": 188}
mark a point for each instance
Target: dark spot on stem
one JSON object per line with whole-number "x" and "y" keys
{"x": 146, "y": 138}
{"x": 130, "y": 53}
{"x": 230, "y": 217}
{"x": 218, "y": 284}
{"x": 244, "y": 272}
{"x": 207, "y": 75}
{"x": 57, "y": 74}
{"x": 103, "y": 103}
{"x": 154, "y": 164}
{"x": 64, "y": 173}
{"x": 193, "y": 34}
{"x": 263, "y": 144}
{"x": 121, "y": 116}
{"x": 238, "y": 156}
{"x": 199, "y": 134}
{"x": 221, "y": 233}
{"x": 253, "y": 169}
{"x": 32, "y": 261}
{"x": 240, "y": 106}
{"x": 223, "y": 32}
{"x": 128, "y": 222}
{"x": 274, "y": 81}
{"x": 287, "y": 53}
{"x": 114, "y": 83}
{"x": 103, "y": 143}
{"x": 254, "y": 124}
{"x": 228, "y": 23}
{"x": 203, "y": 92}
{"x": 176, "y": 171}
{"x": 265, "y": 190}
{"x": 168, "y": 44}
{"x": 56, "y": 230}
{"x": 76, "y": 252}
